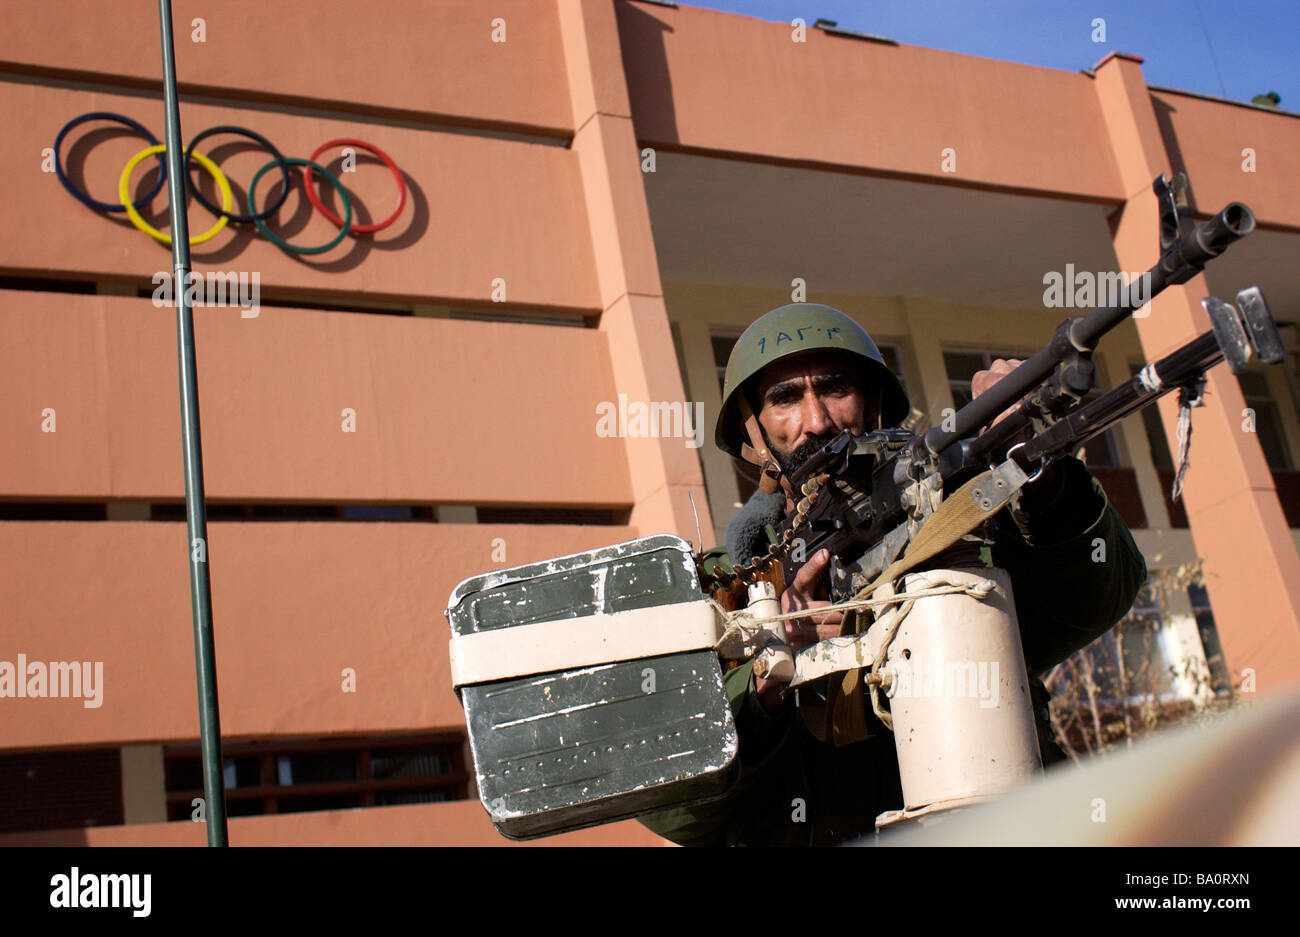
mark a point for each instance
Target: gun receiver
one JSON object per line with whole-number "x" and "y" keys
{"x": 865, "y": 496}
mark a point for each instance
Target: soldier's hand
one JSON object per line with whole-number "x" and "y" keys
{"x": 983, "y": 380}
{"x": 808, "y": 591}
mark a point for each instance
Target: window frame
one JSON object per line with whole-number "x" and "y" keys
{"x": 270, "y": 791}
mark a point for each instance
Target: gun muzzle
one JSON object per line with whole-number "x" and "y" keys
{"x": 1211, "y": 238}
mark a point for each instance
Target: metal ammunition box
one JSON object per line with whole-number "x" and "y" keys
{"x": 566, "y": 749}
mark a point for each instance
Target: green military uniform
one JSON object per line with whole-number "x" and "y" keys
{"x": 796, "y": 790}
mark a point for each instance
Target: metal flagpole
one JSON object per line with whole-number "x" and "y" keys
{"x": 196, "y": 522}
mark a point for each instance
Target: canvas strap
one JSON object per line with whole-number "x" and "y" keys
{"x": 756, "y": 452}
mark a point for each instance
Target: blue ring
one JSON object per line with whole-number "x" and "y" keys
{"x": 266, "y": 145}
{"x": 82, "y": 196}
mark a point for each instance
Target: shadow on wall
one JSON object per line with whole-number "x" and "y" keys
{"x": 649, "y": 86}
{"x": 1176, "y": 161}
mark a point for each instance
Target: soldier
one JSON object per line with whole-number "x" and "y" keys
{"x": 796, "y": 378}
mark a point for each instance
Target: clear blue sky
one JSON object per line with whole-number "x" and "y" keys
{"x": 1255, "y": 43}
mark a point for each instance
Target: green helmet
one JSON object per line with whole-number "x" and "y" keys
{"x": 795, "y": 330}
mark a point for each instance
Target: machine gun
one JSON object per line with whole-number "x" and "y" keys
{"x": 865, "y": 497}
{"x": 592, "y": 683}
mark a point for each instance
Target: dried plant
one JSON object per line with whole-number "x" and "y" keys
{"x": 1118, "y": 689}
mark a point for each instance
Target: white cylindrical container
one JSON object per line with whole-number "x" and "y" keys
{"x": 776, "y": 662}
{"x": 959, "y": 693}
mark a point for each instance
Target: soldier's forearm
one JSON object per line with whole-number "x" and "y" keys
{"x": 1059, "y": 506}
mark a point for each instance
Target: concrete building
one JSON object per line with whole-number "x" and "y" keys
{"x": 601, "y": 195}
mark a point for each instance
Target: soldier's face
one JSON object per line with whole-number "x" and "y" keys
{"x": 806, "y": 402}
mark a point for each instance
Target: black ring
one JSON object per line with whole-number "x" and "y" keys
{"x": 84, "y": 198}
{"x": 266, "y": 145}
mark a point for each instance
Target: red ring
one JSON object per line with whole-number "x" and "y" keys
{"x": 384, "y": 158}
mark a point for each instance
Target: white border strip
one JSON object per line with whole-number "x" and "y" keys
{"x": 548, "y": 646}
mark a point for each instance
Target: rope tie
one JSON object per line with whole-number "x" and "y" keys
{"x": 743, "y": 628}
{"x": 1150, "y": 380}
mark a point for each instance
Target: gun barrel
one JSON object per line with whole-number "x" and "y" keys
{"x": 1094, "y": 418}
{"x": 1184, "y": 259}
{"x": 1032, "y": 371}
{"x": 1213, "y": 237}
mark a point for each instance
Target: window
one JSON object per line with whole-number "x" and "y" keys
{"x": 292, "y": 776}
{"x": 517, "y": 317}
{"x": 962, "y": 367}
{"x": 894, "y": 361}
{"x": 55, "y": 511}
{"x": 723, "y": 342}
{"x": 544, "y": 515}
{"x": 1142, "y": 651}
{"x": 1268, "y": 422}
{"x": 1220, "y": 680}
{"x": 55, "y": 790}
{"x": 377, "y": 512}
{"x": 746, "y": 474}
{"x": 1156, "y": 439}
{"x": 1134, "y": 662}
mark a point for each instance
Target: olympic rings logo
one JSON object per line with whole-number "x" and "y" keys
{"x": 224, "y": 214}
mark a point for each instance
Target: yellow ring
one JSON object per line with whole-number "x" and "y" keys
{"x": 124, "y": 186}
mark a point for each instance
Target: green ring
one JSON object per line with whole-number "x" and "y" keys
{"x": 281, "y": 242}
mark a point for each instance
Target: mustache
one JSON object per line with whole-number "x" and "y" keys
{"x": 793, "y": 460}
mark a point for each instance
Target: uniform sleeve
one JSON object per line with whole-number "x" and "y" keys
{"x": 762, "y": 738}
{"x": 1074, "y": 567}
